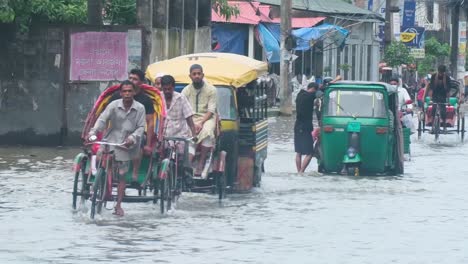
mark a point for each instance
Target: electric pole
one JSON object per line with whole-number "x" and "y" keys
{"x": 144, "y": 9}
{"x": 455, "y": 10}
{"x": 286, "y": 100}
{"x": 388, "y": 24}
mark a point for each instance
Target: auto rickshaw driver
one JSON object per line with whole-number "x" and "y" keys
{"x": 203, "y": 99}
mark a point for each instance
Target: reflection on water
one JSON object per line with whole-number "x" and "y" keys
{"x": 421, "y": 217}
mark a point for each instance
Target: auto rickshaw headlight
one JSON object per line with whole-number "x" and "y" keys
{"x": 351, "y": 153}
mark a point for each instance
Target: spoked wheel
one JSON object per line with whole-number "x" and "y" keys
{"x": 221, "y": 180}
{"x": 98, "y": 192}
{"x": 165, "y": 183}
{"x": 436, "y": 127}
{"x": 80, "y": 183}
{"x": 463, "y": 129}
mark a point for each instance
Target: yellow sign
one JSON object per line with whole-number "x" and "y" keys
{"x": 407, "y": 36}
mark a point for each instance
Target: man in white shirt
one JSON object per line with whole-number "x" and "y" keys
{"x": 403, "y": 98}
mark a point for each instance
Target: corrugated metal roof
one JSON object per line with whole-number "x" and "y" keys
{"x": 329, "y": 7}
{"x": 252, "y": 13}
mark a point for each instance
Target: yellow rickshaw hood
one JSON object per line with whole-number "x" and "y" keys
{"x": 219, "y": 68}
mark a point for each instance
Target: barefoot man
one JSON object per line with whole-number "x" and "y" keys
{"x": 202, "y": 98}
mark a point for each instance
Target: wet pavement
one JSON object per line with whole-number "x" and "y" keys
{"x": 420, "y": 217}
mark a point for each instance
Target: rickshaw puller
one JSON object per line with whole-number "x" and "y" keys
{"x": 137, "y": 77}
{"x": 203, "y": 99}
{"x": 127, "y": 122}
{"x": 439, "y": 91}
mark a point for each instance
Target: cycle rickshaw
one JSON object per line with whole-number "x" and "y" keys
{"x": 242, "y": 131}
{"x": 455, "y": 117}
{"x": 93, "y": 180}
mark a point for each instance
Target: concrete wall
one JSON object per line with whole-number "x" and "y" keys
{"x": 31, "y": 86}
{"x": 38, "y": 106}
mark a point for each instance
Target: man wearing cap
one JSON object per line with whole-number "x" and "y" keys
{"x": 202, "y": 98}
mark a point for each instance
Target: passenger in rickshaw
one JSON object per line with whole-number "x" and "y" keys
{"x": 179, "y": 114}
{"x": 125, "y": 122}
{"x": 137, "y": 77}
{"x": 439, "y": 91}
{"x": 202, "y": 98}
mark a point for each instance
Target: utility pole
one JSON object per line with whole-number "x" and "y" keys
{"x": 95, "y": 12}
{"x": 388, "y": 24}
{"x": 144, "y": 9}
{"x": 286, "y": 100}
{"x": 455, "y": 10}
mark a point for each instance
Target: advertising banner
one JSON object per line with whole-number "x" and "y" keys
{"x": 409, "y": 13}
{"x": 413, "y": 36}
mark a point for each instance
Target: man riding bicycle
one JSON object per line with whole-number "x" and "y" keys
{"x": 179, "y": 119}
{"x": 439, "y": 91}
{"x": 125, "y": 122}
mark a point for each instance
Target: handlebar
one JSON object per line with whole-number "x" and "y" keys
{"x": 105, "y": 143}
{"x": 179, "y": 139}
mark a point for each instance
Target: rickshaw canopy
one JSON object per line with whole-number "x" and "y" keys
{"x": 219, "y": 68}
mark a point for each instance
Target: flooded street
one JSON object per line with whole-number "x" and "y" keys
{"x": 420, "y": 217}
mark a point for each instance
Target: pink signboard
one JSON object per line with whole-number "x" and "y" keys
{"x": 98, "y": 56}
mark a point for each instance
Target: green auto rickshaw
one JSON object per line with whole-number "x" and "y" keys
{"x": 361, "y": 132}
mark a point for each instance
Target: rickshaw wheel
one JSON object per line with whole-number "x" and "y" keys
{"x": 419, "y": 129}
{"x": 221, "y": 185}
{"x": 165, "y": 191}
{"x": 98, "y": 191}
{"x": 463, "y": 129}
{"x": 258, "y": 173}
{"x": 84, "y": 191}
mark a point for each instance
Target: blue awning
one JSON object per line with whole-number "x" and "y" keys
{"x": 269, "y": 37}
{"x": 305, "y": 36}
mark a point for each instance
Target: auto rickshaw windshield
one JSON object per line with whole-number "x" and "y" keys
{"x": 356, "y": 104}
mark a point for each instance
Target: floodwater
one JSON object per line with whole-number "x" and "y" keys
{"x": 421, "y": 217}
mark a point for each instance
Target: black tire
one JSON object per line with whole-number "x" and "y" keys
{"x": 98, "y": 192}
{"x": 258, "y": 172}
{"x": 75, "y": 189}
{"x": 436, "y": 127}
{"x": 221, "y": 185}
{"x": 463, "y": 129}
{"x": 458, "y": 121}
{"x": 419, "y": 129}
{"x": 83, "y": 192}
{"x": 162, "y": 194}
{"x": 165, "y": 188}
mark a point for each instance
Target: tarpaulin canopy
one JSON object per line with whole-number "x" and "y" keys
{"x": 269, "y": 38}
{"x": 219, "y": 68}
{"x": 230, "y": 38}
{"x": 304, "y": 36}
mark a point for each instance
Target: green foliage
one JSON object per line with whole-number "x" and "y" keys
{"x": 120, "y": 12}
{"x": 223, "y": 8}
{"x": 344, "y": 67}
{"x": 397, "y": 54}
{"x": 54, "y": 11}
{"x": 435, "y": 52}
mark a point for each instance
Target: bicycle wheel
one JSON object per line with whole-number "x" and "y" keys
{"x": 80, "y": 186}
{"x": 436, "y": 127}
{"x": 98, "y": 192}
{"x": 164, "y": 186}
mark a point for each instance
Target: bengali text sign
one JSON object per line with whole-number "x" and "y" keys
{"x": 98, "y": 56}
